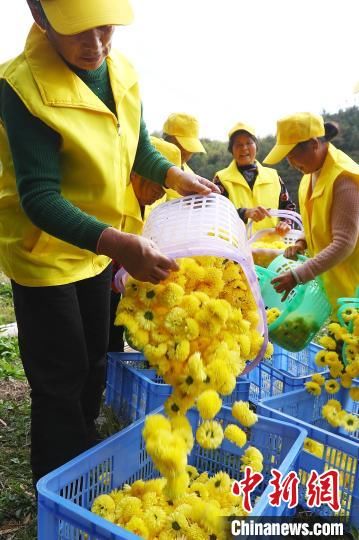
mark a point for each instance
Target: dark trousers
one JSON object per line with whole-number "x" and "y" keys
{"x": 115, "y": 342}
{"x": 63, "y": 338}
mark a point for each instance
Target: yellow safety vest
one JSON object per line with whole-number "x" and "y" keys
{"x": 266, "y": 190}
{"x": 343, "y": 278}
{"x": 96, "y": 156}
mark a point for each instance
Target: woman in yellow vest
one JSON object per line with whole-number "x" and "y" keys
{"x": 182, "y": 130}
{"x": 252, "y": 188}
{"x": 329, "y": 205}
{"x": 71, "y": 130}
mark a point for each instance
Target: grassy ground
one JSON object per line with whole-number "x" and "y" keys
{"x": 6, "y": 306}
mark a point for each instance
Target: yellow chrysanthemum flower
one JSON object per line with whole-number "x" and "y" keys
{"x": 192, "y": 472}
{"x": 269, "y": 350}
{"x": 104, "y": 506}
{"x": 155, "y": 519}
{"x": 244, "y": 415}
{"x": 353, "y": 369}
{"x": 209, "y": 434}
{"x": 313, "y": 388}
{"x": 318, "y": 379}
{"x": 332, "y": 386}
{"x": 235, "y": 434}
{"x": 319, "y": 358}
{"x": 176, "y": 486}
{"x": 354, "y": 393}
{"x": 129, "y": 506}
{"x": 138, "y": 526}
{"x": 346, "y": 380}
{"x": 350, "y": 423}
{"x": 336, "y": 369}
{"x": 331, "y": 357}
{"x": 328, "y": 343}
{"x": 314, "y": 447}
{"x": 171, "y": 295}
{"x": 209, "y": 404}
{"x": 155, "y": 423}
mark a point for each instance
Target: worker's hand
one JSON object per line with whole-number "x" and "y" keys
{"x": 292, "y": 252}
{"x": 189, "y": 184}
{"x": 139, "y": 256}
{"x": 284, "y": 283}
{"x": 282, "y": 228}
{"x": 256, "y": 214}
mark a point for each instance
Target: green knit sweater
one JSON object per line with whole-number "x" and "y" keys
{"x": 35, "y": 151}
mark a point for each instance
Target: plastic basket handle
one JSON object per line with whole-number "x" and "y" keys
{"x": 287, "y": 214}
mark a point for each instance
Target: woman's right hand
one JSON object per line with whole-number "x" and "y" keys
{"x": 138, "y": 255}
{"x": 256, "y": 214}
{"x": 292, "y": 252}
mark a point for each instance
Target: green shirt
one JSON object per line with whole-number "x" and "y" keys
{"x": 35, "y": 149}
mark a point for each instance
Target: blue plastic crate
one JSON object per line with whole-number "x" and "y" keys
{"x": 284, "y": 372}
{"x": 66, "y": 494}
{"x": 341, "y": 449}
{"x": 133, "y": 392}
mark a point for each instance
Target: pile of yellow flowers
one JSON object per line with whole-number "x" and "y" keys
{"x": 341, "y": 375}
{"x": 198, "y": 328}
{"x": 266, "y": 249}
{"x": 144, "y": 509}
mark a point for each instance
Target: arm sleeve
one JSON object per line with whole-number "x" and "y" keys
{"x": 224, "y": 192}
{"x": 150, "y": 163}
{"x": 35, "y": 152}
{"x": 345, "y": 231}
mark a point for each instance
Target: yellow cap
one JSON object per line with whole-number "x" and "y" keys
{"x": 242, "y": 127}
{"x": 168, "y": 150}
{"x": 69, "y": 17}
{"x": 186, "y": 130}
{"x": 292, "y": 130}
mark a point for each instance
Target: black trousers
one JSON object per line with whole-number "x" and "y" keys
{"x": 63, "y": 339}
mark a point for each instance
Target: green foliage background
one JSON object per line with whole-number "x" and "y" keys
{"x": 218, "y": 157}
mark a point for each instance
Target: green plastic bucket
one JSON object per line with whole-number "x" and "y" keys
{"x": 304, "y": 311}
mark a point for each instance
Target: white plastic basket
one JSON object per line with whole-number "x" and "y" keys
{"x": 267, "y": 254}
{"x": 197, "y": 225}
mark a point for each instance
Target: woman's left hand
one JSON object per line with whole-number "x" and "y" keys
{"x": 282, "y": 228}
{"x": 188, "y": 184}
{"x": 284, "y": 283}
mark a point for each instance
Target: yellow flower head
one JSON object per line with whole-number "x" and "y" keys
{"x": 245, "y": 344}
{"x": 182, "y": 426}
{"x": 328, "y": 343}
{"x": 269, "y": 350}
{"x": 314, "y": 447}
{"x": 154, "y": 352}
{"x": 244, "y": 415}
{"x": 350, "y": 423}
{"x": 190, "y": 303}
{"x": 219, "y": 483}
{"x": 104, "y": 506}
{"x": 354, "y": 393}
{"x": 349, "y": 314}
{"x": 336, "y": 369}
{"x": 209, "y": 404}
{"x": 220, "y": 377}
{"x": 138, "y": 340}
{"x": 313, "y": 388}
{"x": 138, "y": 527}
{"x": 272, "y": 314}
{"x": 252, "y": 453}
{"x": 235, "y": 434}
{"x": 230, "y": 271}
{"x": 176, "y": 320}
{"x": 335, "y": 330}
{"x": 155, "y": 423}
{"x": 353, "y": 369}
{"x": 320, "y": 358}
{"x": 334, "y": 403}
{"x": 211, "y": 283}
{"x": 178, "y": 405}
{"x": 209, "y": 434}
{"x": 318, "y": 378}
{"x": 171, "y": 295}
{"x": 176, "y": 486}
{"x": 346, "y": 380}
{"x": 332, "y": 386}
{"x": 331, "y": 357}
{"x": 129, "y": 506}
{"x": 155, "y": 519}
